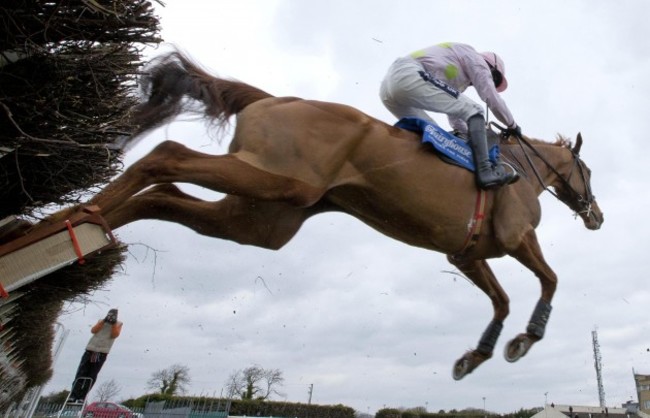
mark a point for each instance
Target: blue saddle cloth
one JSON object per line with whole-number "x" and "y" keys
{"x": 455, "y": 149}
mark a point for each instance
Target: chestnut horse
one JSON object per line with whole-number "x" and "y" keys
{"x": 291, "y": 159}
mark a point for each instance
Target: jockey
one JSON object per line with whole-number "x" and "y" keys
{"x": 434, "y": 78}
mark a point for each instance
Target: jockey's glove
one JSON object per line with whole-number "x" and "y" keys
{"x": 513, "y": 131}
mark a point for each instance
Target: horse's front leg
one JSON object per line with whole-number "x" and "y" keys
{"x": 479, "y": 272}
{"x": 530, "y": 255}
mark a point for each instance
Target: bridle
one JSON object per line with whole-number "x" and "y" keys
{"x": 584, "y": 201}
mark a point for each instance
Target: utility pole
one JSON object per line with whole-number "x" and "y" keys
{"x": 545, "y": 404}
{"x": 311, "y": 390}
{"x": 599, "y": 367}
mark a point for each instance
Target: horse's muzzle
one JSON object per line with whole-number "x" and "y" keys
{"x": 594, "y": 218}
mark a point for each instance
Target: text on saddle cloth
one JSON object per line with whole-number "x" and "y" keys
{"x": 448, "y": 145}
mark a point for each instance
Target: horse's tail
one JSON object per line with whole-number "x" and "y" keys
{"x": 171, "y": 78}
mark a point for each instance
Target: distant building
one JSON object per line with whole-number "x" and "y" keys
{"x": 628, "y": 410}
{"x": 631, "y": 406}
{"x": 643, "y": 391}
{"x": 570, "y": 411}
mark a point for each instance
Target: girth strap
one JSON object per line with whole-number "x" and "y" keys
{"x": 475, "y": 223}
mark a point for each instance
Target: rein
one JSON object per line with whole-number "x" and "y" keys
{"x": 586, "y": 201}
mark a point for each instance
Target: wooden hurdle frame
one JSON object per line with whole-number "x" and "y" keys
{"x": 51, "y": 248}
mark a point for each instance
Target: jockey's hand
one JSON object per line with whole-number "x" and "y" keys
{"x": 514, "y": 131}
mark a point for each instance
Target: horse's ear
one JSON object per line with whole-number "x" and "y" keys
{"x": 576, "y": 148}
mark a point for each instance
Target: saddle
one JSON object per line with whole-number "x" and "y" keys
{"x": 452, "y": 149}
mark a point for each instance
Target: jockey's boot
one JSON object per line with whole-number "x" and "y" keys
{"x": 488, "y": 176}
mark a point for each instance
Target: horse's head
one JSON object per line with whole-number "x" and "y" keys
{"x": 574, "y": 189}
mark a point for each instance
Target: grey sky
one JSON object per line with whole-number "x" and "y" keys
{"x": 369, "y": 321}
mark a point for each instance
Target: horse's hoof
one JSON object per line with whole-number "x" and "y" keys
{"x": 518, "y": 347}
{"x": 461, "y": 368}
{"x": 466, "y": 364}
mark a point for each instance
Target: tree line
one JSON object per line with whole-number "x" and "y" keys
{"x": 248, "y": 392}
{"x": 251, "y": 383}
{"x": 421, "y": 412}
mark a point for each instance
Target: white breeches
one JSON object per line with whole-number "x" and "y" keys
{"x": 406, "y": 94}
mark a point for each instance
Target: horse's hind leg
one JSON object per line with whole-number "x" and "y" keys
{"x": 243, "y": 220}
{"x": 530, "y": 255}
{"x": 171, "y": 162}
{"x": 479, "y": 272}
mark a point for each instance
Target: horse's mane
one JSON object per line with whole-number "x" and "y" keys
{"x": 560, "y": 141}
{"x": 563, "y": 141}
